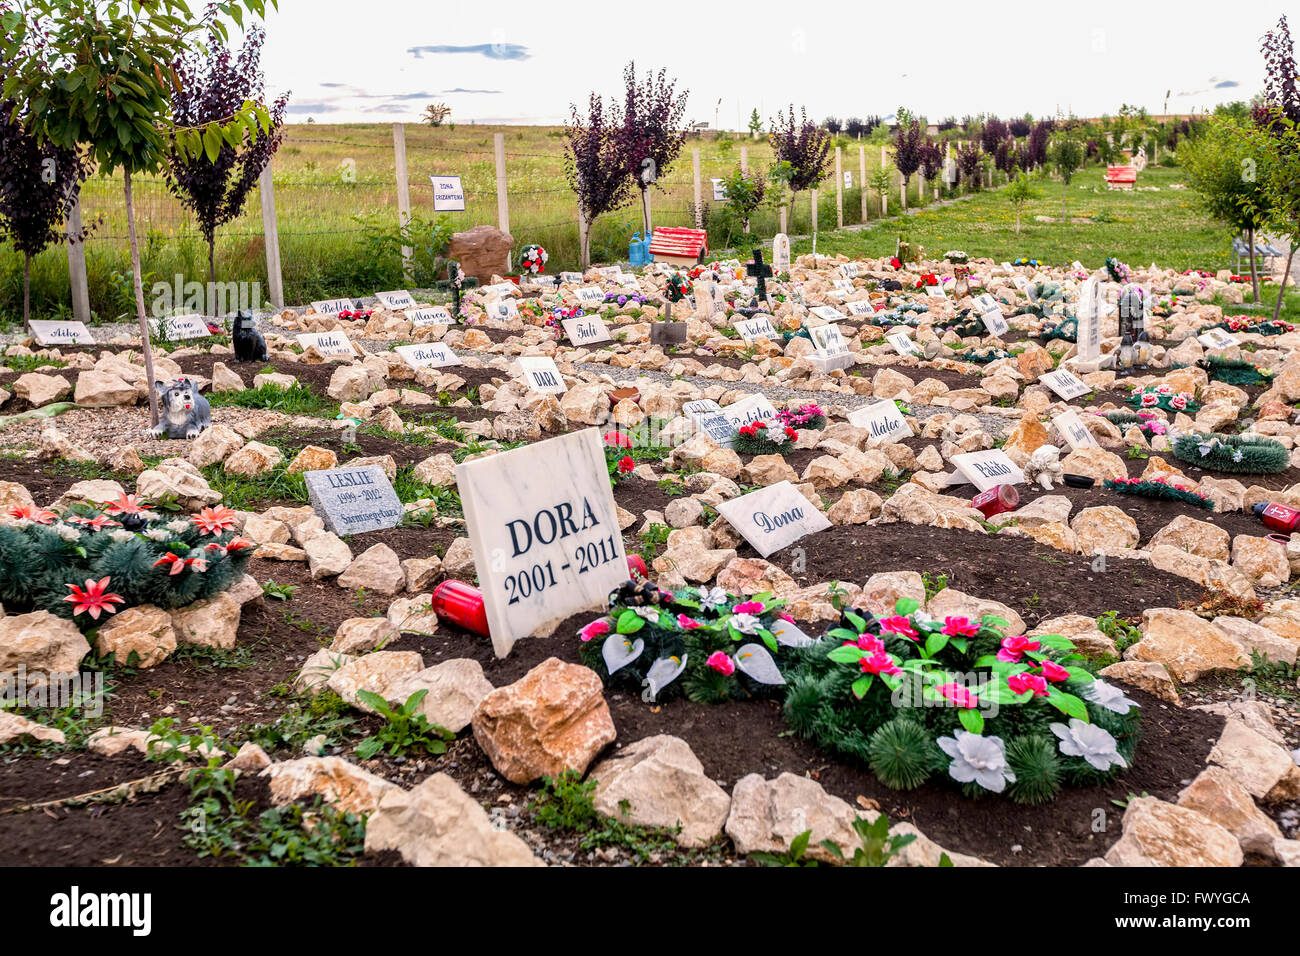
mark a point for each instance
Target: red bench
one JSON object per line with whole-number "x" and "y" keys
{"x": 1121, "y": 177}
{"x": 679, "y": 246}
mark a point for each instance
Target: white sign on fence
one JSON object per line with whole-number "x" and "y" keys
{"x": 540, "y": 373}
{"x": 543, "y": 527}
{"x": 719, "y": 190}
{"x": 47, "y": 332}
{"x": 773, "y": 518}
{"x": 448, "y": 194}
{"x": 427, "y": 355}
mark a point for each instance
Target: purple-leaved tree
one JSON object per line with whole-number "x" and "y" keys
{"x": 969, "y": 158}
{"x": 802, "y": 150}
{"x": 39, "y": 182}
{"x": 651, "y": 134}
{"x": 909, "y": 148}
{"x": 593, "y": 164}
{"x": 213, "y": 85}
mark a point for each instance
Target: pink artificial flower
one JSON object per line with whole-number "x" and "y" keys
{"x": 785, "y": 617}
{"x": 959, "y": 696}
{"x": 749, "y": 607}
{"x": 687, "y": 623}
{"x": 1150, "y": 399}
{"x": 1014, "y": 647}
{"x": 879, "y": 663}
{"x": 1178, "y": 401}
{"x": 1019, "y": 683}
{"x": 898, "y": 624}
{"x": 1164, "y": 388}
{"x": 1055, "y": 672}
{"x": 721, "y": 663}
{"x": 597, "y": 628}
{"x": 959, "y": 627}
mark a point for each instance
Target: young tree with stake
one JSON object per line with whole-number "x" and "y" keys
{"x": 97, "y": 75}
{"x": 802, "y": 150}
{"x": 652, "y": 134}
{"x": 39, "y": 183}
{"x": 213, "y": 84}
{"x": 593, "y": 164}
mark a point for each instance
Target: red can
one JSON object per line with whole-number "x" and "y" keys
{"x": 461, "y": 604}
{"x": 996, "y": 500}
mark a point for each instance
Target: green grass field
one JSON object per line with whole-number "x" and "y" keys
{"x": 336, "y": 200}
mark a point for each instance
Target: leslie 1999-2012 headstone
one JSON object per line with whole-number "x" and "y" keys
{"x": 773, "y": 517}
{"x": 353, "y": 500}
{"x": 544, "y": 530}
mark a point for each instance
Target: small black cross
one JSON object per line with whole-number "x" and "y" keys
{"x": 760, "y": 271}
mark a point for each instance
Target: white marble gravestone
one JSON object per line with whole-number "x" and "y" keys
{"x": 780, "y": 253}
{"x": 544, "y": 531}
{"x": 427, "y": 355}
{"x": 902, "y": 343}
{"x": 861, "y": 307}
{"x": 773, "y": 518}
{"x": 586, "y": 330}
{"x": 176, "y": 327}
{"x": 1065, "y": 384}
{"x": 832, "y": 351}
{"x": 1217, "y": 339}
{"x": 47, "y": 332}
{"x": 708, "y": 417}
{"x": 755, "y": 408}
{"x": 884, "y": 421}
{"x": 395, "y": 300}
{"x": 750, "y": 329}
{"x": 988, "y": 469}
{"x": 1073, "y": 430}
{"x": 1088, "y": 312}
{"x": 327, "y": 343}
{"x": 589, "y": 294}
{"x": 540, "y": 374}
{"x": 827, "y": 312}
{"x": 501, "y": 310}
{"x": 353, "y": 500}
{"x": 429, "y": 315}
{"x": 333, "y": 306}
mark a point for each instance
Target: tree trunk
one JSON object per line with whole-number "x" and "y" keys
{"x": 1064, "y": 188}
{"x": 146, "y": 346}
{"x": 1277, "y": 309}
{"x": 211, "y": 297}
{"x": 584, "y": 240}
{"x": 1017, "y": 220}
{"x": 645, "y": 209}
{"x": 27, "y": 287}
{"x": 1254, "y": 276}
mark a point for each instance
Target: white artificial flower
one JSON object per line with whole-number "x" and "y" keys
{"x": 979, "y": 759}
{"x": 651, "y": 614}
{"x": 121, "y": 534}
{"x": 158, "y": 534}
{"x": 67, "y": 532}
{"x": 1090, "y": 742}
{"x": 746, "y": 623}
{"x": 712, "y": 597}
{"x": 178, "y": 526}
{"x": 1108, "y": 696}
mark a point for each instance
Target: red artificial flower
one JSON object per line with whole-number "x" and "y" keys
{"x": 879, "y": 663}
{"x": 92, "y": 600}
{"x": 721, "y": 663}
{"x": 1019, "y": 683}
{"x": 687, "y": 623}
{"x": 749, "y": 607}
{"x": 179, "y": 564}
{"x": 959, "y": 696}
{"x": 898, "y": 624}
{"x": 33, "y": 513}
{"x": 959, "y": 627}
{"x": 214, "y": 520}
{"x": 239, "y": 544}
{"x": 1014, "y": 647}
{"x": 791, "y": 434}
{"x": 127, "y": 504}
{"x": 626, "y": 464}
{"x": 867, "y": 642}
{"x": 617, "y": 439}
{"x": 1055, "y": 672}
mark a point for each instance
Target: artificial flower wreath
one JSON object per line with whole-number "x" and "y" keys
{"x": 1242, "y": 454}
{"x": 1159, "y": 488}
{"x": 771, "y": 437}
{"x": 703, "y": 642}
{"x": 678, "y": 287}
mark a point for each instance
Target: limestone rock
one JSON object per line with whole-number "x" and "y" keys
{"x": 103, "y": 390}
{"x": 318, "y": 669}
{"x": 312, "y": 458}
{"x": 1216, "y": 794}
{"x": 42, "y": 644}
{"x": 178, "y": 478}
{"x": 437, "y": 824}
{"x": 38, "y": 388}
{"x": 210, "y": 623}
{"x": 1263, "y": 561}
{"x": 343, "y": 785}
{"x": 375, "y": 569}
{"x": 1150, "y": 677}
{"x": 454, "y": 688}
{"x": 361, "y": 635}
{"x": 1095, "y": 463}
{"x": 1186, "y": 644}
{"x": 375, "y": 672}
{"x": 14, "y": 727}
{"x": 1104, "y": 528}
{"x": 662, "y": 784}
{"x": 1163, "y": 834}
{"x": 253, "y": 459}
{"x": 552, "y": 719}
{"x": 144, "y": 630}
{"x": 856, "y": 506}
{"x": 1082, "y": 630}
{"x": 1195, "y": 537}
{"x": 1263, "y": 768}
{"x": 327, "y": 556}
{"x": 953, "y": 603}
{"x": 753, "y": 576}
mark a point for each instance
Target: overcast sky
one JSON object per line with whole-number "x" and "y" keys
{"x": 510, "y": 62}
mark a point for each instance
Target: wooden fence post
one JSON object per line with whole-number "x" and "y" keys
{"x": 503, "y": 200}
{"x": 271, "y": 234}
{"x": 699, "y": 198}
{"x": 862, "y": 176}
{"x": 77, "y": 266}
{"x": 839, "y": 188}
{"x": 403, "y": 194}
{"x": 744, "y": 159}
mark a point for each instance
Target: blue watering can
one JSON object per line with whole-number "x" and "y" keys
{"x": 638, "y": 250}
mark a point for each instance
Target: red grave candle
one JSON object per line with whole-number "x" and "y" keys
{"x": 996, "y": 500}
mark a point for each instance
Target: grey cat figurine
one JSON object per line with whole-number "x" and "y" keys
{"x": 183, "y": 412}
